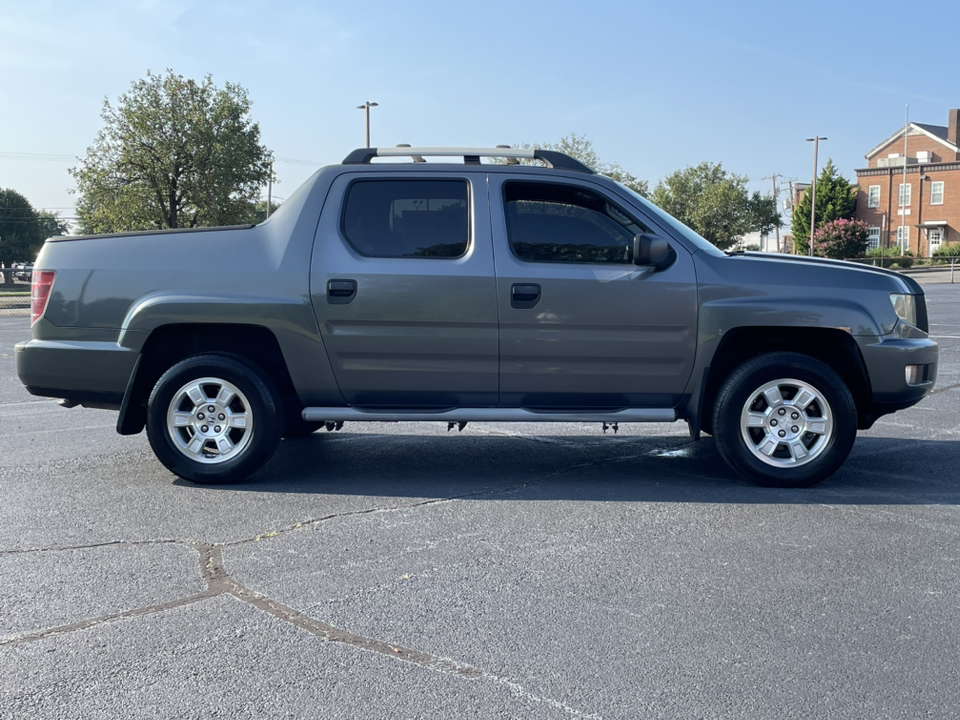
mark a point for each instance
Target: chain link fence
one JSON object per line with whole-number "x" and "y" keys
{"x": 14, "y": 291}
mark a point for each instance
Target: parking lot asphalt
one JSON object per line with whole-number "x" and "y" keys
{"x": 524, "y": 571}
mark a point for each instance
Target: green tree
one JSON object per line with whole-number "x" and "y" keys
{"x": 709, "y": 200}
{"x": 836, "y": 200}
{"x": 764, "y": 216}
{"x": 581, "y": 148}
{"x": 51, "y": 224}
{"x": 21, "y": 233}
{"x": 260, "y": 210}
{"x": 173, "y": 153}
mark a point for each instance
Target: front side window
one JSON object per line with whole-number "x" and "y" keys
{"x": 550, "y": 222}
{"x": 873, "y": 196}
{"x": 873, "y": 238}
{"x": 904, "y": 194}
{"x": 936, "y": 193}
{"x": 407, "y": 218}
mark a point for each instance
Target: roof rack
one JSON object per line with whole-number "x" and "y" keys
{"x": 471, "y": 156}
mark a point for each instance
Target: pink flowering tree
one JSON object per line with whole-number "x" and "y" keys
{"x": 841, "y": 239}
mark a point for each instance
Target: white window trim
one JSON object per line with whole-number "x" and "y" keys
{"x": 908, "y": 193}
{"x": 873, "y": 202}
{"x": 933, "y": 192}
{"x": 903, "y": 230}
{"x": 873, "y": 238}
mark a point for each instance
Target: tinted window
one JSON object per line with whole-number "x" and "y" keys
{"x": 407, "y": 218}
{"x": 549, "y": 222}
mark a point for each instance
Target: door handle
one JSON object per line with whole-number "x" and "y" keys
{"x": 524, "y": 296}
{"x": 341, "y": 292}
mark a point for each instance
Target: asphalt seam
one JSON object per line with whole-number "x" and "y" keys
{"x": 219, "y": 582}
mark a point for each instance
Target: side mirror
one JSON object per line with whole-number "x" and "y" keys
{"x": 652, "y": 250}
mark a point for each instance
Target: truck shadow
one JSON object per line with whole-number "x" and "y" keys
{"x": 892, "y": 471}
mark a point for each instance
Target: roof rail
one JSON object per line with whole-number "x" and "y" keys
{"x": 471, "y": 156}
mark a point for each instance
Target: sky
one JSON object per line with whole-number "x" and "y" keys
{"x": 656, "y": 86}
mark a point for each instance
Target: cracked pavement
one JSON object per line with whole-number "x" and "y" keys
{"x": 548, "y": 571}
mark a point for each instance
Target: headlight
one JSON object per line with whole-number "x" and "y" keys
{"x": 905, "y": 306}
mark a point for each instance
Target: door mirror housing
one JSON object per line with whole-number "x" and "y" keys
{"x": 652, "y": 250}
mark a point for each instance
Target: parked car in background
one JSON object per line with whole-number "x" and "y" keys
{"x": 23, "y": 271}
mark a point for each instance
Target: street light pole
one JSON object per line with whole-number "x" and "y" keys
{"x": 366, "y": 106}
{"x": 813, "y": 190}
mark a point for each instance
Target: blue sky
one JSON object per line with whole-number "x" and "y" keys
{"x": 655, "y": 86}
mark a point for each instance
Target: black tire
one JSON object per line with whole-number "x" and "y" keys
{"x": 242, "y": 433}
{"x": 772, "y": 437}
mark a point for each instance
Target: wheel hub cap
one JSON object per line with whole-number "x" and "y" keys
{"x": 786, "y": 423}
{"x": 209, "y": 420}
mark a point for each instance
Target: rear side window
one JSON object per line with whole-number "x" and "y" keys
{"x": 407, "y": 218}
{"x": 551, "y": 222}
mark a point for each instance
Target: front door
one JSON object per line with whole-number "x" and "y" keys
{"x": 582, "y": 326}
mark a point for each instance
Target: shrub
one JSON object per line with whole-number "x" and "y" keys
{"x": 943, "y": 254}
{"x": 841, "y": 239}
{"x": 881, "y": 257}
{"x": 891, "y": 258}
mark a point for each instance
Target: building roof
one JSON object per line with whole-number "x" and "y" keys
{"x": 939, "y": 130}
{"x": 935, "y": 132}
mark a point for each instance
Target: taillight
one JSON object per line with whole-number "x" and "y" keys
{"x": 40, "y": 293}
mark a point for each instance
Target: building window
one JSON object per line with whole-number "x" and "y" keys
{"x": 905, "y": 194}
{"x": 873, "y": 196}
{"x": 903, "y": 236}
{"x": 934, "y": 239}
{"x": 936, "y": 193}
{"x": 873, "y": 238}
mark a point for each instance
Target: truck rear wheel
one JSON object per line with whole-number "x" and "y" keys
{"x": 213, "y": 419}
{"x": 784, "y": 420}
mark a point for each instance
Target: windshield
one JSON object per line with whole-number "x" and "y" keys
{"x": 678, "y": 227}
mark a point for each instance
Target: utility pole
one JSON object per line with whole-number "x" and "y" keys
{"x": 813, "y": 190}
{"x": 776, "y": 198}
{"x": 269, "y": 188}
{"x": 903, "y": 192}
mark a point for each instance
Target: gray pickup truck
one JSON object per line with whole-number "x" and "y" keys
{"x": 467, "y": 291}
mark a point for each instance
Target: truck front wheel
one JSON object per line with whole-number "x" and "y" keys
{"x": 213, "y": 419}
{"x": 784, "y": 420}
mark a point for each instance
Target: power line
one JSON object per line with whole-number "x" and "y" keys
{"x": 36, "y": 156}
{"x": 53, "y": 156}
{"x": 294, "y": 161}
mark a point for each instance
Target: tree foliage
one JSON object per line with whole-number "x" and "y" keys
{"x": 581, "y": 148}
{"x": 764, "y": 215}
{"x": 23, "y": 229}
{"x": 841, "y": 239}
{"x": 709, "y": 200}
{"x": 836, "y": 200}
{"x": 173, "y": 153}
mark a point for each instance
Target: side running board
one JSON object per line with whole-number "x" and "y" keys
{"x": 344, "y": 414}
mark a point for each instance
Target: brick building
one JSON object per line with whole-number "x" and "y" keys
{"x": 923, "y": 213}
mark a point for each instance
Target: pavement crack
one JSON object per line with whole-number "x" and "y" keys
{"x": 90, "y": 546}
{"x": 211, "y": 569}
{"x": 218, "y": 581}
{"x": 398, "y": 652}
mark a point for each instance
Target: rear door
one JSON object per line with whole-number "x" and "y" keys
{"x": 403, "y": 286}
{"x": 581, "y": 325}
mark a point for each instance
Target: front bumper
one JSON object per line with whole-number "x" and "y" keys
{"x": 888, "y": 359}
